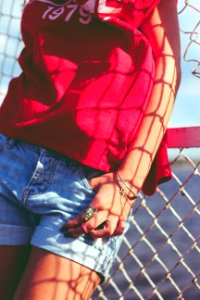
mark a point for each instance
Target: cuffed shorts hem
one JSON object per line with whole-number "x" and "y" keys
{"x": 12, "y": 235}
{"x": 73, "y": 249}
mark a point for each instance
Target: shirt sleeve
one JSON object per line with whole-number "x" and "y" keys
{"x": 136, "y": 11}
{"x": 160, "y": 171}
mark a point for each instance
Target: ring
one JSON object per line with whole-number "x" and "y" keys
{"x": 88, "y": 213}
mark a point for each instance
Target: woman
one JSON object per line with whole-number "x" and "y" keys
{"x": 80, "y": 128}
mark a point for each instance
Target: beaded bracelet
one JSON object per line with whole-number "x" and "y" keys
{"x": 120, "y": 180}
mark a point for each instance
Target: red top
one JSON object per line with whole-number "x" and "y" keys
{"x": 84, "y": 82}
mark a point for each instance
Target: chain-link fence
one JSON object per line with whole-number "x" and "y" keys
{"x": 160, "y": 255}
{"x": 192, "y": 32}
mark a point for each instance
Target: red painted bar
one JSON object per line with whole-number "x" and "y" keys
{"x": 183, "y": 137}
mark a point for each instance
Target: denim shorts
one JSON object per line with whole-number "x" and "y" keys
{"x": 39, "y": 191}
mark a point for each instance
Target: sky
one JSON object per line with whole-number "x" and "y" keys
{"x": 186, "y": 110}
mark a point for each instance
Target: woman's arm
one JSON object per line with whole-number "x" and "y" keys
{"x": 161, "y": 29}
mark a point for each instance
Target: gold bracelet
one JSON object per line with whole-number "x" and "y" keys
{"x": 120, "y": 180}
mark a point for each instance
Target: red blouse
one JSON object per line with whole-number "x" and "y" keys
{"x": 87, "y": 73}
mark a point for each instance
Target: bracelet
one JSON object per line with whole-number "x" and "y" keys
{"x": 120, "y": 180}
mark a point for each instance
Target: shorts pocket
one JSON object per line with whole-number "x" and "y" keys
{"x": 87, "y": 173}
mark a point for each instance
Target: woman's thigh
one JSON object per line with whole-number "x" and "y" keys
{"x": 13, "y": 260}
{"x": 50, "y": 190}
{"x": 52, "y": 277}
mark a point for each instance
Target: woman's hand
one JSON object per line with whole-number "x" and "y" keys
{"x": 113, "y": 210}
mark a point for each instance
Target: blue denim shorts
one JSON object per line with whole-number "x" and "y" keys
{"x": 39, "y": 191}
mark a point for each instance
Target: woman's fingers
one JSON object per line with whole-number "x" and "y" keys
{"x": 107, "y": 230}
{"x": 74, "y": 232}
{"x": 114, "y": 224}
{"x": 71, "y": 224}
{"x": 84, "y": 216}
{"x": 120, "y": 227}
{"x": 96, "y": 228}
{"x": 74, "y": 227}
{"x": 102, "y": 224}
{"x": 97, "y": 220}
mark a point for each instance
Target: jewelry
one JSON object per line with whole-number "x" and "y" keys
{"x": 120, "y": 180}
{"x": 88, "y": 213}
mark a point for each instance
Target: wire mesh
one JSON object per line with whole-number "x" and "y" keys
{"x": 192, "y": 33}
{"x": 10, "y": 42}
{"x": 160, "y": 254}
